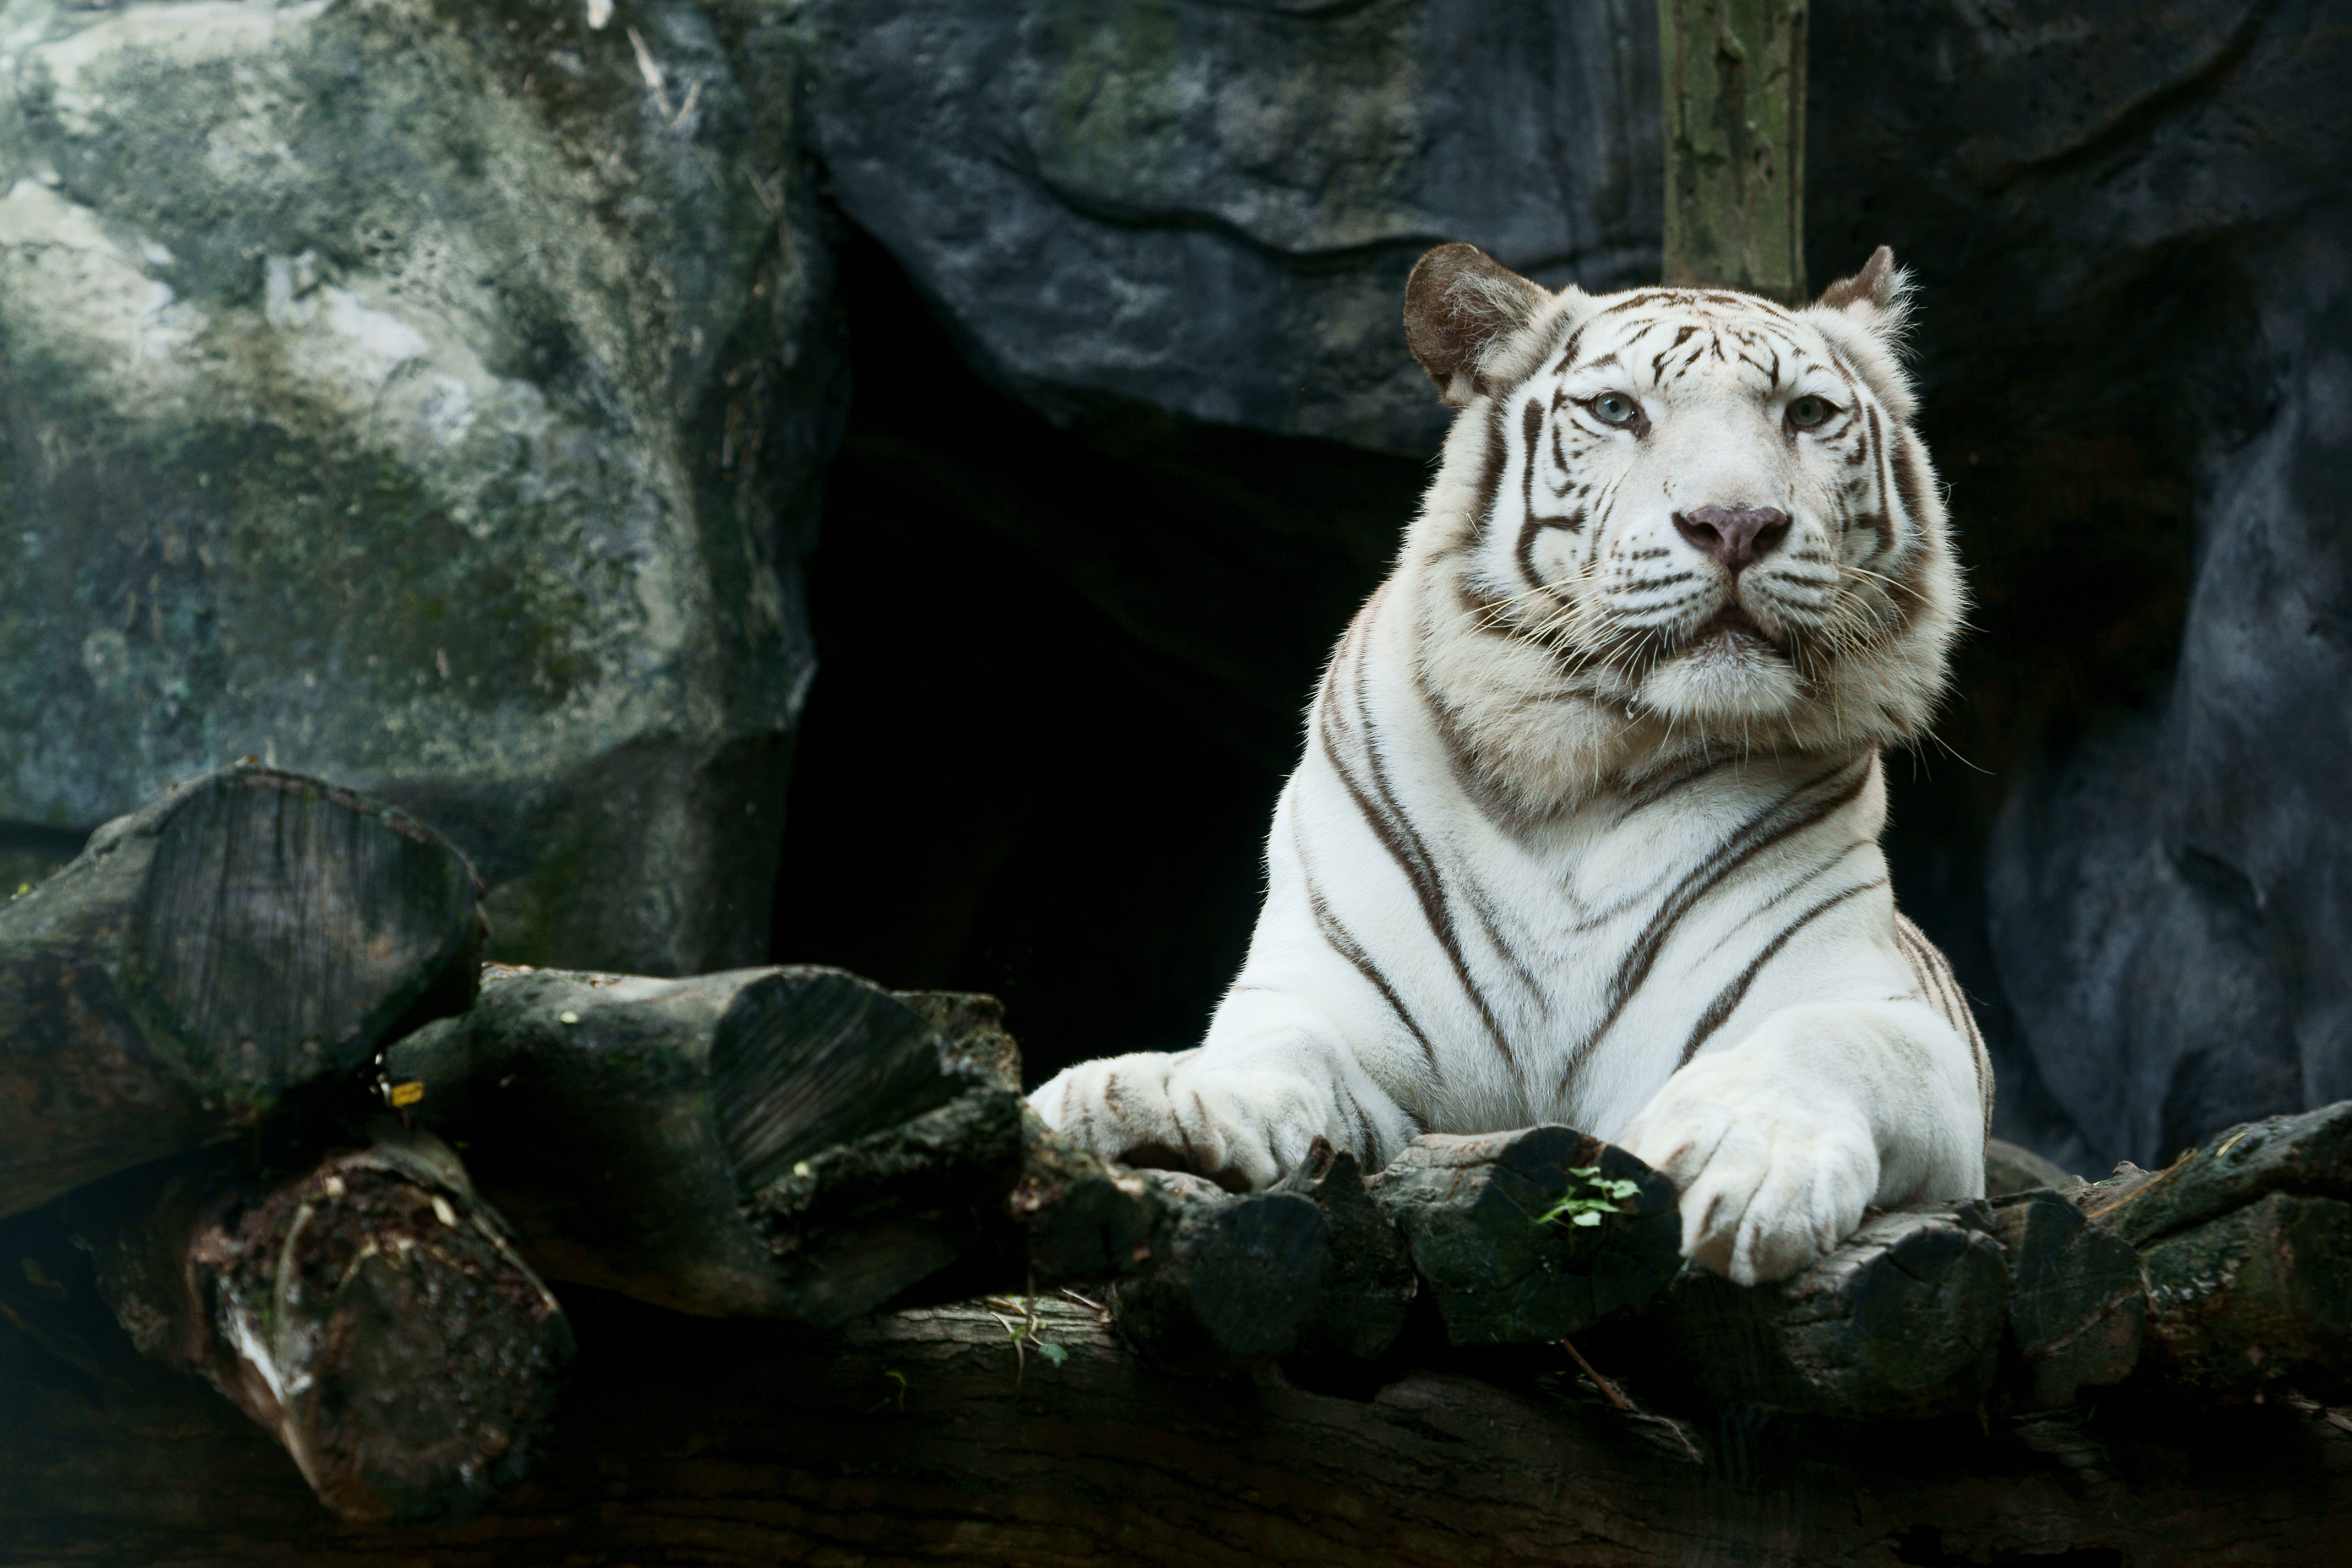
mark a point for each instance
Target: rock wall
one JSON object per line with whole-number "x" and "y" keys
{"x": 1155, "y": 222}
{"x": 439, "y": 397}
{"x": 423, "y": 394}
{"x": 1211, "y": 209}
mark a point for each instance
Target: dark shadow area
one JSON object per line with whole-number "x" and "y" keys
{"x": 1061, "y": 676}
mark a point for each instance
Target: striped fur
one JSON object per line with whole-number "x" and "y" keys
{"x": 1571, "y": 841}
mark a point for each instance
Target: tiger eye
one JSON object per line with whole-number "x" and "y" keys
{"x": 1614, "y": 408}
{"x": 1808, "y": 411}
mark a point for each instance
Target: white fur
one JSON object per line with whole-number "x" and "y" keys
{"x": 1549, "y": 837}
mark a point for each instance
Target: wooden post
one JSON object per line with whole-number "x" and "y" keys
{"x": 1734, "y": 78}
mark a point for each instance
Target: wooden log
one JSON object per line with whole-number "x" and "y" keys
{"x": 1902, "y": 1320}
{"x": 1734, "y": 95}
{"x": 370, "y": 1314}
{"x": 1369, "y": 1283}
{"x": 931, "y": 1438}
{"x": 1078, "y": 1219}
{"x": 1531, "y": 1235}
{"x": 2309, "y": 1153}
{"x": 1230, "y": 1280}
{"x": 774, "y": 1142}
{"x": 2258, "y": 1298}
{"x": 2077, "y": 1305}
{"x": 243, "y": 935}
{"x": 2247, "y": 1249}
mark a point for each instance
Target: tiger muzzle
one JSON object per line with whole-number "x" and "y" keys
{"x": 1738, "y": 536}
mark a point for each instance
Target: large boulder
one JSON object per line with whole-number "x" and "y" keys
{"x": 1211, "y": 209}
{"x": 2131, "y": 224}
{"x": 427, "y": 396}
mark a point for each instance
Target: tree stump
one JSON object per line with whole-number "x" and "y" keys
{"x": 243, "y": 935}
{"x": 2076, "y": 1303}
{"x": 1533, "y": 1234}
{"x": 369, "y": 1313}
{"x": 1902, "y": 1320}
{"x": 1230, "y": 1280}
{"x": 1369, "y": 1283}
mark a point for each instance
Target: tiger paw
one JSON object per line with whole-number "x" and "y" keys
{"x": 1134, "y": 1110}
{"x": 1769, "y": 1179}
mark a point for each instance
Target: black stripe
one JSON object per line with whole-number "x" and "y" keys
{"x": 1878, "y": 518}
{"x": 1656, "y": 788}
{"x": 1490, "y": 479}
{"x": 1348, "y": 948}
{"x": 1719, "y": 1010}
{"x": 1907, "y": 480}
{"x": 1758, "y": 833}
{"x": 1530, "y": 426}
{"x": 1393, "y": 827}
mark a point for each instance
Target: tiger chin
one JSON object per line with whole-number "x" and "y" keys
{"x": 1586, "y": 827}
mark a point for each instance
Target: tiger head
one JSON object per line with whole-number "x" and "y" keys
{"x": 1676, "y": 517}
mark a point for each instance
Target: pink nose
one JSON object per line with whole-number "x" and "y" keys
{"x": 1734, "y": 535}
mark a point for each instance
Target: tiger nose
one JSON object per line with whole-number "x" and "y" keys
{"x": 1734, "y": 535}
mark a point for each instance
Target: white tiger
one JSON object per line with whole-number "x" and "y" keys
{"x": 1587, "y": 826}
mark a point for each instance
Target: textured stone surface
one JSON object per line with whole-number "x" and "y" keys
{"x": 1212, "y": 208}
{"x": 424, "y": 396}
{"x": 2132, "y": 229}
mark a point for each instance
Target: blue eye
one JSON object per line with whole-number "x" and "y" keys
{"x": 1809, "y": 413}
{"x": 1614, "y": 408}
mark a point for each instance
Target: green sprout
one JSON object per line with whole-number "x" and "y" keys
{"x": 898, "y": 1397}
{"x": 1588, "y": 1197}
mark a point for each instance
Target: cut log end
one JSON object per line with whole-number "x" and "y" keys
{"x": 370, "y": 1313}
{"x": 243, "y": 935}
{"x": 1533, "y": 1235}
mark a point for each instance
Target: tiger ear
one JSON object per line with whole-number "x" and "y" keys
{"x": 1458, "y": 304}
{"x": 1878, "y": 297}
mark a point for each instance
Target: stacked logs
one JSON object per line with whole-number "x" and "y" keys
{"x": 358, "y": 1154}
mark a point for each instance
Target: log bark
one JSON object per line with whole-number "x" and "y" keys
{"x": 1734, "y": 80}
{"x": 935, "y": 1437}
{"x": 1232, "y": 1278}
{"x": 2247, "y": 1251}
{"x": 243, "y": 934}
{"x": 1475, "y": 1212}
{"x": 789, "y": 1143}
{"x": 1902, "y": 1321}
{"x": 370, "y": 1313}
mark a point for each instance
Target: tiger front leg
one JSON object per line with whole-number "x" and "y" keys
{"x": 1778, "y": 1143}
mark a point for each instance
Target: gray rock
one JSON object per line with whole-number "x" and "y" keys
{"x": 428, "y": 396}
{"x": 2131, "y": 224}
{"x": 1211, "y": 209}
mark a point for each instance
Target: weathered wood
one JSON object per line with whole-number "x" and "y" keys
{"x": 777, "y": 1143}
{"x": 1472, "y": 1211}
{"x": 1734, "y": 80}
{"x": 243, "y": 934}
{"x": 2310, "y": 1152}
{"x": 2258, "y": 1298}
{"x": 2077, "y": 1305}
{"x": 370, "y": 1313}
{"x": 1232, "y": 1278}
{"x": 931, "y": 1438}
{"x": 2247, "y": 1249}
{"x": 1902, "y": 1320}
{"x": 1369, "y": 1283}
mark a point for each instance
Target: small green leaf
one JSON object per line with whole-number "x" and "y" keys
{"x": 1587, "y": 1217}
{"x": 1055, "y": 1355}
